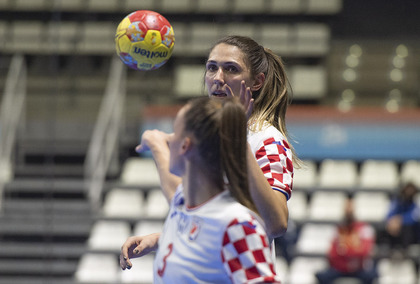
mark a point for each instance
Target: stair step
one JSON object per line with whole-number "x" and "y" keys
{"x": 19, "y": 279}
{"x": 37, "y": 267}
{"x": 39, "y": 207}
{"x": 22, "y": 250}
{"x": 34, "y": 225}
{"x": 66, "y": 185}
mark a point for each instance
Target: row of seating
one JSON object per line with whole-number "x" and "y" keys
{"x": 103, "y": 268}
{"x": 192, "y": 39}
{"x": 348, "y": 175}
{"x": 337, "y": 175}
{"x": 292, "y": 7}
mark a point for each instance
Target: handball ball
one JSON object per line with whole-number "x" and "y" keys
{"x": 144, "y": 40}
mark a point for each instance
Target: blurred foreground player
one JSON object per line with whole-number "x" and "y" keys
{"x": 212, "y": 233}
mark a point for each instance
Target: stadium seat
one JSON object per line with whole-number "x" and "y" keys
{"x": 410, "y": 172}
{"x": 97, "y": 38}
{"x": 396, "y": 271}
{"x": 143, "y": 228}
{"x": 306, "y": 177}
{"x": 338, "y": 174}
{"x": 189, "y": 80}
{"x": 285, "y": 6}
{"x": 327, "y": 206}
{"x": 141, "y": 272}
{"x": 103, "y": 5}
{"x": 203, "y": 36}
{"x": 97, "y": 268}
{"x": 176, "y": 6}
{"x": 243, "y": 29}
{"x": 282, "y": 268}
{"x": 140, "y": 172}
{"x": 214, "y": 6}
{"x": 298, "y": 206}
{"x": 62, "y": 37}
{"x": 156, "y": 204}
{"x": 248, "y": 6}
{"x": 133, "y": 5}
{"x": 123, "y": 203}
{"x": 108, "y": 236}
{"x": 315, "y": 239}
{"x": 26, "y": 36}
{"x": 302, "y": 269}
{"x": 312, "y": 39}
{"x": 324, "y": 7}
{"x": 278, "y": 38}
{"x": 309, "y": 82}
{"x": 371, "y": 206}
{"x": 379, "y": 175}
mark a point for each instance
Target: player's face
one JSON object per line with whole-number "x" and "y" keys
{"x": 175, "y": 141}
{"x": 226, "y": 66}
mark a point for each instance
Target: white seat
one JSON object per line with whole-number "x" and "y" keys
{"x": 103, "y": 5}
{"x": 31, "y": 4}
{"x": 410, "y": 172}
{"x": 379, "y": 175}
{"x": 182, "y": 39}
{"x": 297, "y": 206}
{"x": 327, "y": 206}
{"x": 203, "y": 37}
{"x": 324, "y": 7}
{"x": 97, "y": 38}
{"x": 176, "y": 6}
{"x": 108, "y": 235}
{"x": 312, "y": 39}
{"x": 97, "y": 268}
{"x": 396, "y": 271}
{"x": 305, "y": 177}
{"x": 371, "y": 206}
{"x": 285, "y": 6}
{"x": 123, "y": 203}
{"x": 133, "y": 5}
{"x": 302, "y": 269}
{"x": 277, "y": 37}
{"x": 243, "y": 29}
{"x": 156, "y": 204}
{"x": 143, "y": 228}
{"x": 214, "y": 6}
{"x": 338, "y": 174}
{"x": 248, "y": 6}
{"x": 309, "y": 82}
{"x": 282, "y": 268}
{"x": 141, "y": 272}
{"x": 26, "y": 36}
{"x": 315, "y": 239}
{"x": 61, "y": 37}
{"x": 140, "y": 172}
{"x": 189, "y": 80}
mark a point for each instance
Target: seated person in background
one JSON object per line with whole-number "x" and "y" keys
{"x": 212, "y": 233}
{"x": 351, "y": 250}
{"x": 402, "y": 220}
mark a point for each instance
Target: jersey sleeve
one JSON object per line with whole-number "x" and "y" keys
{"x": 275, "y": 160}
{"x": 246, "y": 253}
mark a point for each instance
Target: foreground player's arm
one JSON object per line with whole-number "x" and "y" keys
{"x": 137, "y": 246}
{"x": 157, "y": 142}
{"x": 271, "y": 204}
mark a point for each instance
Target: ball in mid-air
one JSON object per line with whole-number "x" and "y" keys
{"x": 144, "y": 40}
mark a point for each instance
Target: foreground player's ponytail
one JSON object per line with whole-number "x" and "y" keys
{"x": 219, "y": 132}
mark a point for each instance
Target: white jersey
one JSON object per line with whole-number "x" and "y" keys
{"x": 274, "y": 157}
{"x": 220, "y": 241}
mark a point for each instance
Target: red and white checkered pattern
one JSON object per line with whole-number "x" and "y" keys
{"x": 274, "y": 157}
{"x": 246, "y": 253}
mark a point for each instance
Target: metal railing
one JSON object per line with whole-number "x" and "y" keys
{"x": 10, "y": 115}
{"x": 104, "y": 142}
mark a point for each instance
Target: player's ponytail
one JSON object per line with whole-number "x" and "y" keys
{"x": 219, "y": 129}
{"x": 233, "y": 150}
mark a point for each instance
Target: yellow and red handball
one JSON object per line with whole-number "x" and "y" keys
{"x": 144, "y": 40}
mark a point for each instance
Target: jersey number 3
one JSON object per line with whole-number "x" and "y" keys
{"x": 161, "y": 270}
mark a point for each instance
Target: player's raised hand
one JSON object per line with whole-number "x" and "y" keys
{"x": 153, "y": 140}
{"x": 137, "y": 246}
{"x": 245, "y": 97}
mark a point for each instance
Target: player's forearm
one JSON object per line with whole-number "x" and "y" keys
{"x": 271, "y": 205}
{"x": 169, "y": 182}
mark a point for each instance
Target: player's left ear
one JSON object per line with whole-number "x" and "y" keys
{"x": 186, "y": 145}
{"x": 259, "y": 82}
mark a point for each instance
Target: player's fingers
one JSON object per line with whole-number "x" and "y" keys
{"x": 229, "y": 91}
{"x": 141, "y": 148}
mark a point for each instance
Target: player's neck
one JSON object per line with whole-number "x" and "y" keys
{"x": 198, "y": 188}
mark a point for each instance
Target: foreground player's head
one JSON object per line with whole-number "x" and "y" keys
{"x": 211, "y": 136}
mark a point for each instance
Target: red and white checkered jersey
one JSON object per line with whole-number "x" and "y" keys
{"x": 274, "y": 156}
{"x": 220, "y": 241}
